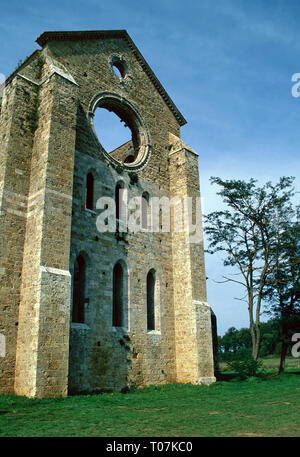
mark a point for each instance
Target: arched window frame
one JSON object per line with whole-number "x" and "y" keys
{"x": 120, "y": 295}
{"x": 150, "y": 281}
{"x": 145, "y": 211}
{"x": 120, "y": 196}
{"x": 157, "y": 302}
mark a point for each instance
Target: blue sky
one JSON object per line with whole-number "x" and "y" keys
{"x": 226, "y": 64}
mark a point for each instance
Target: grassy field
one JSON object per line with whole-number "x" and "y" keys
{"x": 271, "y": 364}
{"x": 250, "y": 408}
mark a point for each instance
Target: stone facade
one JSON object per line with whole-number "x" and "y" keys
{"x": 48, "y": 148}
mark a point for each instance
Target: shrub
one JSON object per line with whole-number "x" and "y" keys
{"x": 133, "y": 177}
{"x": 119, "y": 169}
{"x": 246, "y": 367}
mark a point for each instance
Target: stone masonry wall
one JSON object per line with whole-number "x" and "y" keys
{"x": 16, "y": 139}
{"x": 102, "y": 356}
{"x": 47, "y": 149}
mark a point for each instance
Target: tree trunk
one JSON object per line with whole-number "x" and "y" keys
{"x": 284, "y": 347}
{"x": 252, "y": 324}
{"x": 256, "y": 342}
{"x": 253, "y": 338}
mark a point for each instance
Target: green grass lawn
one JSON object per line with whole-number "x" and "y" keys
{"x": 254, "y": 407}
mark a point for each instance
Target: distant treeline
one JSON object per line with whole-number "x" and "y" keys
{"x": 237, "y": 343}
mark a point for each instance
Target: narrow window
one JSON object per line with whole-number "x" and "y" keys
{"x": 118, "y": 295}
{"x": 118, "y": 200}
{"x": 78, "y": 290}
{"x": 120, "y": 206}
{"x": 89, "y": 195}
{"x": 150, "y": 300}
{"x": 144, "y": 210}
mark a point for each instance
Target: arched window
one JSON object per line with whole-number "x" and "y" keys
{"x": 144, "y": 210}
{"x": 151, "y": 300}
{"x": 120, "y": 206}
{"x": 117, "y": 200}
{"x": 78, "y": 290}
{"x": 118, "y": 296}
{"x": 89, "y": 193}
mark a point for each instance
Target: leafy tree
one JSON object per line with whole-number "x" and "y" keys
{"x": 283, "y": 281}
{"x": 244, "y": 339}
{"x": 246, "y": 233}
{"x": 270, "y": 337}
{"x": 236, "y": 344}
{"x": 228, "y": 341}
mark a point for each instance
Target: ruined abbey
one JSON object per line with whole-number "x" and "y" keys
{"x": 88, "y": 304}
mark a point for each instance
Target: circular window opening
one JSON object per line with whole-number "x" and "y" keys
{"x": 120, "y": 130}
{"x": 111, "y": 131}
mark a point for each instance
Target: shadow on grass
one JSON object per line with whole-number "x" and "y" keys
{"x": 226, "y": 376}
